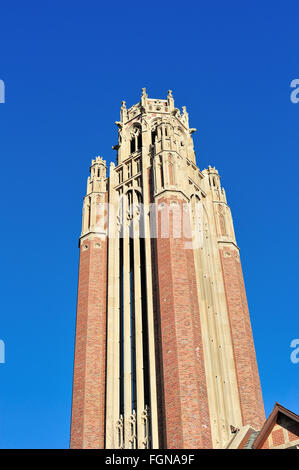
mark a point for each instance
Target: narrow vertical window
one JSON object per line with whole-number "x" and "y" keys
{"x": 121, "y": 326}
{"x": 139, "y": 141}
{"x": 161, "y": 172}
{"x": 132, "y": 305}
{"x": 89, "y": 212}
{"x": 133, "y": 146}
{"x": 170, "y": 170}
{"x": 130, "y": 169}
{"x": 120, "y": 176}
{"x": 154, "y": 135}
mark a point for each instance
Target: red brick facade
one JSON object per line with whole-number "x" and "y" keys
{"x": 185, "y": 395}
{"x": 88, "y": 408}
{"x": 251, "y": 401}
{"x": 279, "y": 438}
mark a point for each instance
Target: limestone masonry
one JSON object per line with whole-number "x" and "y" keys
{"x": 164, "y": 354}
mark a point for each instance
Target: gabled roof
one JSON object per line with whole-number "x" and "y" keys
{"x": 270, "y": 422}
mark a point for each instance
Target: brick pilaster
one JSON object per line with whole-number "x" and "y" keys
{"x": 184, "y": 384}
{"x": 249, "y": 387}
{"x": 88, "y": 408}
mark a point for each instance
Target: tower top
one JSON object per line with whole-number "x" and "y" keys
{"x": 153, "y": 105}
{"x": 98, "y": 160}
{"x": 211, "y": 170}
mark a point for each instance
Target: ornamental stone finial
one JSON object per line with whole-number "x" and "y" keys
{"x": 144, "y": 98}
{"x": 123, "y": 112}
{"x": 170, "y": 100}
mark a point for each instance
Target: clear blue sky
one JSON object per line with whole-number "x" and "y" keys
{"x": 66, "y": 67}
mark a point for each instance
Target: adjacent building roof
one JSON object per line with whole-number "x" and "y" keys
{"x": 290, "y": 422}
{"x": 280, "y": 431}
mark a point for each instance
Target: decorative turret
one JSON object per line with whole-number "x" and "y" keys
{"x": 96, "y": 181}
{"x": 170, "y": 101}
{"x": 144, "y": 99}
{"x": 214, "y": 184}
{"x": 95, "y": 197}
{"x": 123, "y": 112}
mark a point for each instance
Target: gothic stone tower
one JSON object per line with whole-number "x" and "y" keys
{"x": 164, "y": 354}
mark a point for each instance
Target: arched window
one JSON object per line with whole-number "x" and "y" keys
{"x": 136, "y": 139}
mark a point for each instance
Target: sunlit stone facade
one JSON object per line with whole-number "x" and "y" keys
{"x": 164, "y": 354}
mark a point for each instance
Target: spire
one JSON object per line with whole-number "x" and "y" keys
{"x": 143, "y": 98}
{"x": 123, "y": 112}
{"x": 185, "y": 116}
{"x": 144, "y": 94}
{"x": 170, "y": 100}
